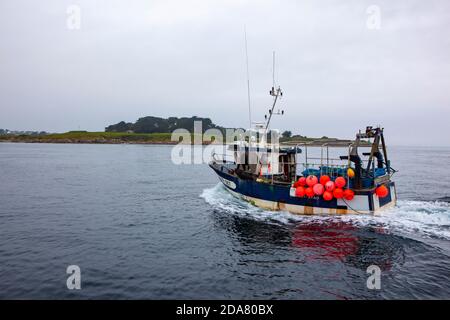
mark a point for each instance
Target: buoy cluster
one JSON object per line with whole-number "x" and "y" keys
{"x": 312, "y": 186}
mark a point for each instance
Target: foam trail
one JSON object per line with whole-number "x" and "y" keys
{"x": 221, "y": 199}
{"x": 427, "y": 219}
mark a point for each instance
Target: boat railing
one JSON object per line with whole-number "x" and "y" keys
{"x": 324, "y": 163}
{"x": 222, "y": 157}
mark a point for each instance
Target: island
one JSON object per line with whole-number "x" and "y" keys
{"x": 146, "y": 130}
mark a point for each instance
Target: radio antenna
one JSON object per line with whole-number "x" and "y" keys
{"x": 273, "y": 69}
{"x": 276, "y": 93}
{"x": 248, "y": 79}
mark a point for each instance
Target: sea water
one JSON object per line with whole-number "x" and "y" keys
{"x": 138, "y": 226}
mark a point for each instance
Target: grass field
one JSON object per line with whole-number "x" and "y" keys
{"x": 92, "y": 137}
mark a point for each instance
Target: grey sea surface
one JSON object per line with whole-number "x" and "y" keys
{"x": 139, "y": 226}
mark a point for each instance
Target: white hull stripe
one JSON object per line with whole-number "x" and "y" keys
{"x": 304, "y": 210}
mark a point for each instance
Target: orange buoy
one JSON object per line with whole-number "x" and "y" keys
{"x": 350, "y": 173}
{"x": 338, "y": 193}
{"x": 382, "y": 191}
{"x": 318, "y": 189}
{"x": 349, "y": 194}
{"x": 311, "y": 181}
{"x": 300, "y": 191}
{"x": 340, "y": 182}
{"x": 302, "y": 181}
{"x": 309, "y": 192}
{"x": 324, "y": 179}
{"x": 329, "y": 186}
{"x": 327, "y": 196}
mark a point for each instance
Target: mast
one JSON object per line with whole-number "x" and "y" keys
{"x": 248, "y": 79}
{"x": 275, "y": 93}
{"x": 273, "y": 69}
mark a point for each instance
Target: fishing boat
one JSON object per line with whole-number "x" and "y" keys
{"x": 320, "y": 177}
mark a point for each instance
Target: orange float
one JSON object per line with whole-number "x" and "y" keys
{"x": 324, "y": 179}
{"x": 327, "y": 196}
{"x": 329, "y": 186}
{"x": 300, "y": 191}
{"x": 318, "y": 189}
{"x": 340, "y": 182}
{"x": 349, "y": 194}
{"x": 382, "y": 191}
{"x": 309, "y": 192}
{"x": 302, "y": 181}
{"x": 311, "y": 181}
{"x": 338, "y": 193}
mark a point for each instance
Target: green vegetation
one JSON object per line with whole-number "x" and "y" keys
{"x": 146, "y": 130}
{"x": 158, "y": 125}
{"x": 129, "y": 137}
{"x": 92, "y": 137}
{"x": 150, "y": 130}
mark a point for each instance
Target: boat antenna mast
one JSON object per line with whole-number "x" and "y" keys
{"x": 275, "y": 93}
{"x": 248, "y": 79}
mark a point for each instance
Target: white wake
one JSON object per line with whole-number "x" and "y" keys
{"x": 410, "y": 218}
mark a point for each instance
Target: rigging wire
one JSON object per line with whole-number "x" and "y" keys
{"x": 273, "y": 70}
{"x": 248, "y": 79}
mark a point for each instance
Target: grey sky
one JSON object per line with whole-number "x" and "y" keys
{"x": 182, "y": 58}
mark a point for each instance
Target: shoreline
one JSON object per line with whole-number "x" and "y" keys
{"x": 84, "y": 137}
{"x": 168, "y": 143}
{"x": 69, "y": 141}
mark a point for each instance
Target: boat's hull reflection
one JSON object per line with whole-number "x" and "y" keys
{"x": 337, "y": 241}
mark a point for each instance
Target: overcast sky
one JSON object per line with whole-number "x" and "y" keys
{"x": 341, "y": 65}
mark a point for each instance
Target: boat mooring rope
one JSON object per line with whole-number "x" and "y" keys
{"x": 359, "y": 212}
